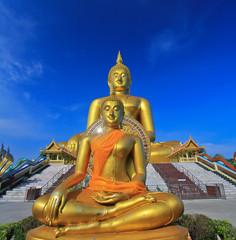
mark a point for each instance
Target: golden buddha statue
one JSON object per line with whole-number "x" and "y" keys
{"x": 114, "y": 201}
{"x": 119, "y": 81}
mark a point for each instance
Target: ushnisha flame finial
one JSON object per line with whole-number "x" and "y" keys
{"x": 119, "y": 58}
{"x": 119, "y": 65}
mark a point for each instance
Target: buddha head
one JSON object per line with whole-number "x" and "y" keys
{"x": 119, "y": 77}
{"x": 112, "y": 112}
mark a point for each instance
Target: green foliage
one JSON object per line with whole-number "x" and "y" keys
{"x": 18, "y": 233}
{"x": 218, "y": 155}
{"x": 158, "y": 189}
{"x": 18, "y": 230}
{"x": 225, "y": 229}
{"x": 201, "y": 227}
{"x": 231, "y": 161}
{"x": 6, "y": 231}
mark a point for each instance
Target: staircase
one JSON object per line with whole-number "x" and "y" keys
{"x": 60, "y": 180}
{"x": 209, "y": 177}
{"x": 154, "y": 181}
{"x": 179, "y": 183}
{"x": 19, "y": 193}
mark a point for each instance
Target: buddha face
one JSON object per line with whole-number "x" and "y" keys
{"x": 112, "y": 114}
{"x": 120, "y": 80}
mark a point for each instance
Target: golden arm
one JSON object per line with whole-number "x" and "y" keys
{"x": 139, "y": 161}
{"x": 146, "y": 119}
{"x": 57, "y": 199}
{"x": 94, "y": 112}
{"x": 81, "y": 165}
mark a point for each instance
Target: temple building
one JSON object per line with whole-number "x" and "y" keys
{"x": 58, "y": 154}
{"x": 186, "y": 152}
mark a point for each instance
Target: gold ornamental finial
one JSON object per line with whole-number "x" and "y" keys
{"x": 119, "y": 58}
{"x": 119, "y": 65}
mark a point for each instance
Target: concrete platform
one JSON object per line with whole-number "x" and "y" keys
{"x": 214, "y": 208}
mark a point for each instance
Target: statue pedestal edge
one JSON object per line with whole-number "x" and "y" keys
{"x": 171, "y": 232}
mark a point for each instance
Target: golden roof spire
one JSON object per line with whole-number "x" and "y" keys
{"x": 119, "y": 58}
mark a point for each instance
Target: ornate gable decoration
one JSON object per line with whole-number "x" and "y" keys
{"x": 189, "y": 144}
{"x": 53, "y": 146}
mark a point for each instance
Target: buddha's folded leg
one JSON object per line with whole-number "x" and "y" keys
{"x": 175, "y": 203}
{"x": 74, "y": 212}
{"x": 148, "y": 216}
{"x": 84, "y": 209}
{"x": 127, "y": 205}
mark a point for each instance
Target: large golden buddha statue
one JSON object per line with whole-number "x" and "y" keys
{"x": 114, "y": 202}
{"x": 119, "y": 81}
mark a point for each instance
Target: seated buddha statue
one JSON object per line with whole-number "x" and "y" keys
{"x": 114, "y": 201}
{"x": 119, "y": 81}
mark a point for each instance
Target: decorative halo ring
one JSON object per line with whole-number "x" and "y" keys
{"x": 130, "y": 126}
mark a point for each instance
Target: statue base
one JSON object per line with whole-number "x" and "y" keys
{"x": 171, "y": 232}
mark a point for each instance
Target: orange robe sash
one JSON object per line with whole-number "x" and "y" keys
{"x": 102, "y": 146}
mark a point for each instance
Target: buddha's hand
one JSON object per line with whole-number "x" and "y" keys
{"x": 55, "y": 204}
{"x": 60, "y": 231}
{"x": 149, "y": 198}
{"x": 111, "y": 199}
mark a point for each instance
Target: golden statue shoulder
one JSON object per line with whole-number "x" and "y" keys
{"x": 98, "y": 101}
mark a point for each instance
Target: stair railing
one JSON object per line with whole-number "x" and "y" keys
{"x": 163, "y": 176}
{"x": 199, "y": 183}
{"x": 50, "y": 182}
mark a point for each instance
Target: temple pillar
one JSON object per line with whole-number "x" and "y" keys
{"x": 187, "y": 156}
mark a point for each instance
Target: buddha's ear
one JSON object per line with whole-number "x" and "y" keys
{"x": 112, "y": 92}
{"x": 129, "y": 90}
{"x": 109, "y": 84}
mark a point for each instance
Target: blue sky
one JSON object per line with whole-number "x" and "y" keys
{"x": 55, "y": 57}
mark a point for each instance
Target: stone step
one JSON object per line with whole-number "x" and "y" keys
{"x": 10, "y": 200}
{"x": 208, "y": 177}
{"x": 154, "y": 180}
{"x": 15, "y": 193}
{"x": 38, "y": 180}
{"x": 13, "y": 198}
{"x": 229, "y": 192}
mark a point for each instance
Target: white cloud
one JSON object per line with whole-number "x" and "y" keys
{"x": 21, "y": 128}
{"x": 169, "y": 41}
{"x": 163, "y": 44}
{"x": 16, "y": 117}
{"x": 54, "y": 115}
{"x": 27, "y": 95}
{"x": 15, "y": 32}
{"x": 77, "y": 107}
